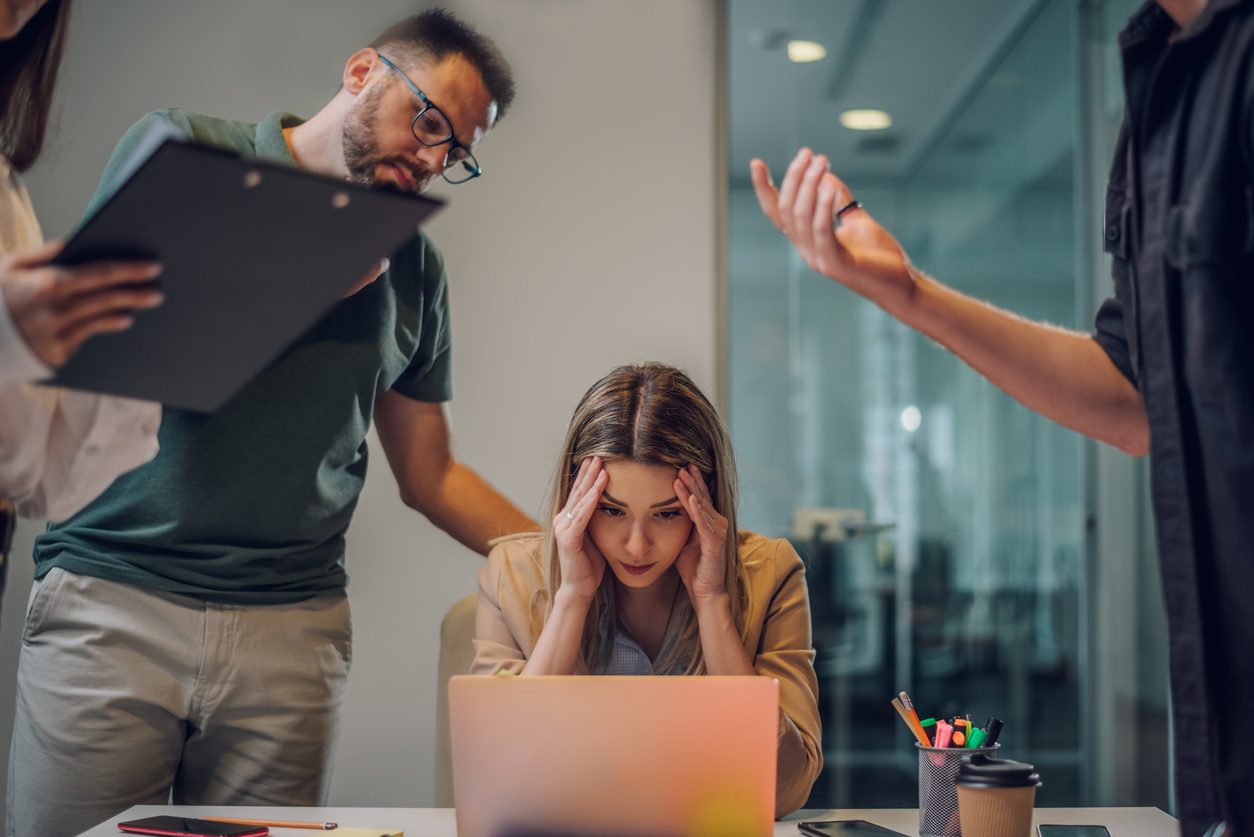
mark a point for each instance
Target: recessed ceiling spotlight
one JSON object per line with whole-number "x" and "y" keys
{"x": 865, "y": 119}
{"x": 911, "y": 419}
{"x": 803, "y": 52}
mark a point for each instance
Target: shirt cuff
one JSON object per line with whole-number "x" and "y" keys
{"x": 18, "y": 364}
{"x": 1110, "y": 333}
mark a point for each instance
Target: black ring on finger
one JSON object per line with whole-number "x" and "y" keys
{"x": 854, "y": 204}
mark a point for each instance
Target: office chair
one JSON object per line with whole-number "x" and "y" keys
{"x": 457, "y": 652}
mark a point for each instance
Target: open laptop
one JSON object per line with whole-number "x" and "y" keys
{"x": 614, "y": 756}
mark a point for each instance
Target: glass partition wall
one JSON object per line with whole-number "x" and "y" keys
{"x": 958, "y": 546}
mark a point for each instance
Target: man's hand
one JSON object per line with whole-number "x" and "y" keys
{"x": 852, "y": 249}
{"x": 56, "y": 308}
{"x": 376, "y": 270}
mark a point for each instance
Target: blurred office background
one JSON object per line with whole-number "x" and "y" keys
{"x": 1010, "y": 571}
{"x": 960, "y": 547}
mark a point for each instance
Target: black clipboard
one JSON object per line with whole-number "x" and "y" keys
{"x": 254, "y": 253}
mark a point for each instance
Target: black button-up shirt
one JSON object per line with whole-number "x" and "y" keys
{"x": 1180, "y": 228}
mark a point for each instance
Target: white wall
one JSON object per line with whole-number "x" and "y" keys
{"x": 591, "y": 241}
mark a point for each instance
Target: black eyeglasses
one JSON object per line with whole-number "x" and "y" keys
{"x": 431, "y": 128}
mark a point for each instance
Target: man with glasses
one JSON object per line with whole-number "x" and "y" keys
{"x": 189, "y": 633}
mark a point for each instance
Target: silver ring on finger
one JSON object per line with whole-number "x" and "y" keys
{"x": 570, "y": 516}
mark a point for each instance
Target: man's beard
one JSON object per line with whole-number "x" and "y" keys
{"x": 361, "y": 147}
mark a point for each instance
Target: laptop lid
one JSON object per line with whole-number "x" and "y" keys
{"x": 623, "y": 756}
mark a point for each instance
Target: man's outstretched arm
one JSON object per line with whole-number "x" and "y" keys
{"x": 416, "y": 439}
{"x": 1064, "y": 375}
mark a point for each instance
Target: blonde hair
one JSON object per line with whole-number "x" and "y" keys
{"x": 655, "y": 415}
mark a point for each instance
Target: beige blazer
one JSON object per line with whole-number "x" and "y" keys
{"x": 512, "y": 594}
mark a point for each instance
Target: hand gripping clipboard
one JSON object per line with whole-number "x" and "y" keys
{"x": 255, "y": 252}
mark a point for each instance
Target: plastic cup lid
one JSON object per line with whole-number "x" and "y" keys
{"x": 980, "y": 771}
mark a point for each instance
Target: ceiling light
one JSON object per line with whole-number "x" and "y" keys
{"x": 911, "y": 419}
{"x": 803, "y": 52}
{"x": 865, "y": 120}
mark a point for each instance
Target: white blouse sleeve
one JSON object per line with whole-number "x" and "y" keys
{"x": 17, "y": 363}
{"x": 58, "y": 448}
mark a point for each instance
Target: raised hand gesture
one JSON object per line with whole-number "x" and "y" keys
{"x": 832, "y": 232}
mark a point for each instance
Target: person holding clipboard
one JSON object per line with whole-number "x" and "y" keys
{"x": 58, "y": 448}
{"x": 190, "y": 634}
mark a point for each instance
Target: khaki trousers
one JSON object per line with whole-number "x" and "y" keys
{"x": 131, "y": 696}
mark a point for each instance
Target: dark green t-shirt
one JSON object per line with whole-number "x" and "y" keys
{"x": 250, "y": 504}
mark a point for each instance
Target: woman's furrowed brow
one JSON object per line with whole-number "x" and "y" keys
{"x": 605, "y": 495}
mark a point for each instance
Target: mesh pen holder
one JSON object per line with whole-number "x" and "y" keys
{"x": 938, "y": 792}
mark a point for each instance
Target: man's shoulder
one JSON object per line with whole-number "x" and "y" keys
{"x": 210, "y": 130}
{"x": 421, "y": 243}
{"x": 420, "y": 256}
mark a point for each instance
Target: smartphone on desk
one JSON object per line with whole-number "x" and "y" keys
{"x": 845, "y": 828}
{"x": 189, "y": 827}
{"x": 1072, "y": 831}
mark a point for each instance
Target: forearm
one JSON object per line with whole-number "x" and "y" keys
{"x": 798, "y": 763}
{"x": 721, "y": 645}
{"x": 1063, "y": 375}
{"x": 557, "y": 649}
{"x": 800, "y": 752}
{"x": 468, "y": 508}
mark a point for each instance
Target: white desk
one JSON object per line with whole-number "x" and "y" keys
{"x": 439, "y": 822}
{"x": 1122, "y": 822}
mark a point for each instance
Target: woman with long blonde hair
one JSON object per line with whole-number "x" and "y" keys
{"x": 646, "y": 487}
